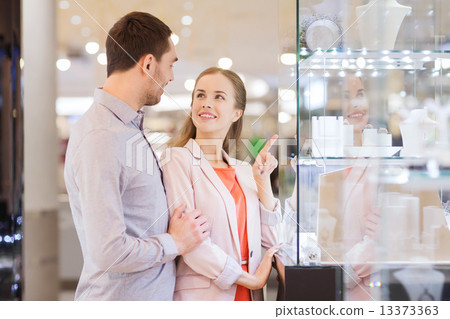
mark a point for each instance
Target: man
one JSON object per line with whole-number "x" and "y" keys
{"x": 119, "y": 209}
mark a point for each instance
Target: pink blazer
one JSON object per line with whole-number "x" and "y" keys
{"x": 209, "y": 272}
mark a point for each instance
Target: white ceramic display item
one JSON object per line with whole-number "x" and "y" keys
{"x": 322, "y": 34}
{"x": 416, "y": 130}
{"x": 379, "y": 22}
{"x": 320, "y": 31}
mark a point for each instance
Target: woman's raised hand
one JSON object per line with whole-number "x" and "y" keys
{"x": 265, "y": 162}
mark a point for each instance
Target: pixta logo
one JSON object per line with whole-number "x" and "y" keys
{"x": 139, "y": 153}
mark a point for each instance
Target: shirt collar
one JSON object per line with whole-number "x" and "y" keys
{"x": 119, "y": 108}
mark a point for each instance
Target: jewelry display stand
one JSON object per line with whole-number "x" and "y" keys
{"x": 379, "y": 22}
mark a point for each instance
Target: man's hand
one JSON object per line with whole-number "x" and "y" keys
{"x": 188, "y": 230}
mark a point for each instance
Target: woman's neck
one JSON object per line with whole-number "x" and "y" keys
{"x": 212, "y": 148}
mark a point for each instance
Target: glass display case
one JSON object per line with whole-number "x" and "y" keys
{"x": 371, "y": 175}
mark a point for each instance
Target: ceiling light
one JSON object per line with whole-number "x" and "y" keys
{"x": 342, "y": 74}
{"x": 92, "y": 47}
{"x": 63, "y": 64}
{"x": 76, "y": 19}
{"x": 101, "y": 58}
{"x": 225, "y": 63}
{"x": 189, "y": 84}
{"x": 64, "y": 5}
{"x": 287, "y": 94}
{"x": 257, "y": 88}
{"x": 21, "y": 63}
{"x": 186, "y": 20}
{"x": 186, "y": 32}
{"x": 284, "y": 117}
{"x": 188, "y": 5}
{"x": 288, "y": 58}
{"x": 85, "y": 31}
{"x": 175, "y": 38}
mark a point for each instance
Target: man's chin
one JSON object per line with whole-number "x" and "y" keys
{"x": 153, "y": 101}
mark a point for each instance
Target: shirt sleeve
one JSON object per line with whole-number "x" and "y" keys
{"x": 207, "y": 259}
{"x": 101, "y": 179}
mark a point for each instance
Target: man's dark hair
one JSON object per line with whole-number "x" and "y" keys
{"x": 133, "y": 36}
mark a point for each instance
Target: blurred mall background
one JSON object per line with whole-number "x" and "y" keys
{"x": 54, "y": 51}
{"x": 52, "y": 57}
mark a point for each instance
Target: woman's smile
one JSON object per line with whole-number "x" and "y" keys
{"x": 207, "y": 116}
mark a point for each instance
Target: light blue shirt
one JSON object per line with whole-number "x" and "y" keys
{"x": 119, "y": 206}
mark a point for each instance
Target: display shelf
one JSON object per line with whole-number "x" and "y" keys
{"x": 369, "y": 59}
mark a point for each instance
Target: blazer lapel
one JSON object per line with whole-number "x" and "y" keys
{"x": 228, "y": 200}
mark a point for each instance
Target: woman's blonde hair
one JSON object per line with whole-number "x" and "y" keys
{"x": 188, "y": 130}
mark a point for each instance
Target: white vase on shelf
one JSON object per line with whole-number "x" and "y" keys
{"x": 416, "y": 130}
{"x": 379, "y": 22}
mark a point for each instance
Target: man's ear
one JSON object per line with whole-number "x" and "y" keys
{"x": 147, "y": 62}
{"x": 237, "y": 115}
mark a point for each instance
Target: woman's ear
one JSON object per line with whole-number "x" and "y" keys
{"x": 237, "y": 115}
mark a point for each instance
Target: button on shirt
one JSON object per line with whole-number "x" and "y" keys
{"x": 119, "y": 206}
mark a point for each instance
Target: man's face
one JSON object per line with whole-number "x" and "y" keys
{"x": 161, "y": 76}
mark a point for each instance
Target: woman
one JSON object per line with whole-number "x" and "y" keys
{"x": 355, "y": 106}
{"x": 236, "y": 198}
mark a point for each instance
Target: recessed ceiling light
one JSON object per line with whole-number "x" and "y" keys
{"x": 186, "y": 32}
{"x": 189, "y": 84}
{"x": 63, "y": 64}
{"x": 287, "y": 94}
{"x": 288, "y": 58}
{"x": 76, "y": 19}
{"x": 101, "y": 58}
{"x": 284, "y": 117}
{"x": 225, "y": 63}
{"x": 188, "y": 5}
{"x": 92, "y": 47}
{"x": 186, "y": 20}
{"x": 64, "y": 4}
{"x": 85, "y": 31}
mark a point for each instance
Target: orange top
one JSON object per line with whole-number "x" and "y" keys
{"x": 228, "y": 177}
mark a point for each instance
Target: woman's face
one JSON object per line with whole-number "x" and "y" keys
{"x": 213, "y": 106}
{"x": 355, "y": 107}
